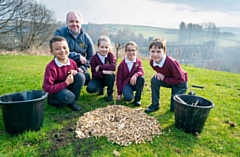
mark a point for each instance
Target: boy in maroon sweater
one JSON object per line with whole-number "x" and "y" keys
{"x": 103, "y": 66}
{"x": 169, "y": 74}
{"x": 130, "y": 75}
{"x": 62, "y": 79}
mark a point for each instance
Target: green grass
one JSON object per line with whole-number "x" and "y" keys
{"x": 218, "y": 139}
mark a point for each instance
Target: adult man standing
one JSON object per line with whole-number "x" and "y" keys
{"x": 80, "y": 44}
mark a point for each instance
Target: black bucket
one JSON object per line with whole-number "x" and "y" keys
{"x": 23, "y": 111}
{"x": 188, "y": 117}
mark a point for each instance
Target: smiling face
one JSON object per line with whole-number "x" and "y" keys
{"x": 103, "y": 47}
{"x": 131, "y": 52}
{"x": 156, "y": 54}
{"x": 60, "y": 50}
{"x": 73, "y": 22}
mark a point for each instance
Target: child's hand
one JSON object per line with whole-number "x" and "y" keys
{"x": 80, "y": 69}
{"x": 108, "y": 72}
{"x": 133, "y": 80}
{"x": 83, "y": 60}
{"x": 159, "y": 76}
{"x": 97, "y": 68}
{"x": 73, "y": 72}
{"x": 69, "y": 80}
{"x": 119, "y": 97}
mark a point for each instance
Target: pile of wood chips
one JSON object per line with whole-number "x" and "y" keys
{"x": 120, "y": 124}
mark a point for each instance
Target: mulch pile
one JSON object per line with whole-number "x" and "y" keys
{"x": 120, "y": 124}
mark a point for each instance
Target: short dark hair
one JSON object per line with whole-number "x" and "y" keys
{"x": 158, "y": 43}
{"x": 55, "y": 39}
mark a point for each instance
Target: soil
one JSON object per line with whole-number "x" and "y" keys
{"x": 66, "y": 136}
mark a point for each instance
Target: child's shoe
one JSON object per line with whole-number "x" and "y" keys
{"x": 101, "y": 92}
{"x": 74, "y": 106}
{"x": 137, "y": 103}
{"x": 152, "y": 108}
{"x": 109, "y": 98}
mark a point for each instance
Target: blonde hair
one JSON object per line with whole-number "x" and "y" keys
{"x": 106, "y": 39}
{"x": 131, "y": 43}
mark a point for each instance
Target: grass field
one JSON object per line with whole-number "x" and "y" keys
{"x": 57, "y": 138}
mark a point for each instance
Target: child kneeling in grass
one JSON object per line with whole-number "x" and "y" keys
{"x": 103, "y": 66}
{"x": 130, "y": 75}
{"x": 62, "y": 79}
{"x": 169, "y": 74}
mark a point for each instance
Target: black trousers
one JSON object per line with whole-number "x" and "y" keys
{"x": 128, "y": 89}
{"x": 96, "y": 85}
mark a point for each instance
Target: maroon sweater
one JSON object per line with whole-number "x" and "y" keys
{"x": 172, "y": 70}
{"x": 54, "y": 77}
{"x": 124, "y": 76}
{"x": 95, "y": 61}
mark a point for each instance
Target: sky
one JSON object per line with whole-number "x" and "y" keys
{"x": 157, "y": 13}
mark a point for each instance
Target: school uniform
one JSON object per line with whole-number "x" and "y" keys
{"x": 175, "y": 78}
{"x": 79, "y": 45}
{"x": 59, "y": 93}
{"x": 126, "y": 70}
{"x": 99, "y": 80}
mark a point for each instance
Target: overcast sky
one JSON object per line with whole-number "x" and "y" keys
{"x": 159, "y": 13}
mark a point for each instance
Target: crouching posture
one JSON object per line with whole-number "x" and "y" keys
{"x": 169, "y": 74}
{"x": 130, "y": 75}
{"x": 62, "y": 79}
{"x": 103, "y": 66}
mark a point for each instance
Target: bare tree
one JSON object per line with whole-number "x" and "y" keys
{"x": 31, "y": 23}
{"x": 8, "y": 9}
{"x": 37, "y": 24}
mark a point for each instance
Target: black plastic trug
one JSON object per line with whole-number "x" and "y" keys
{"x": 23, "y": 111}
{"x": 188, "y": 117}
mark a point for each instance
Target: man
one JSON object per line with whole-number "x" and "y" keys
{"x": 80, "y": 44}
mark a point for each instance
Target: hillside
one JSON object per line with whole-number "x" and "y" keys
{"x": 147, "y": 31}
{"x": 172, "y": 35}
{"x": 234, "y": 30}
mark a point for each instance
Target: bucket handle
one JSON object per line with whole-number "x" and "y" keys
{"x": 194, "y": 86}
{"x": 197, "y": 86}
{"x": 202, "y": 87}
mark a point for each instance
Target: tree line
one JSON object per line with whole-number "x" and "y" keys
{"x": 25, "y": 24}
{"x": 197, "y": 34}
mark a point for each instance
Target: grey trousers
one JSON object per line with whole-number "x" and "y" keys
{"x": 176, "y": 89}
{"x": 68, "y": 95}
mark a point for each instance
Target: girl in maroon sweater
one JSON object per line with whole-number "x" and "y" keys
{"x": 103, "y": 66}
{"x": 130, "y": 75}
{"x": 169, "y": 74}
